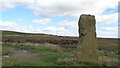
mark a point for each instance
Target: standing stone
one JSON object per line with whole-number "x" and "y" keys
{"x": 87, "y": 46}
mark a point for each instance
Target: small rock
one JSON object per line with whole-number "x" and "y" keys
{"x": 6, "y": 56}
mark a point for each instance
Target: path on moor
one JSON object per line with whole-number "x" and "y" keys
{"x": 15, "y": 53}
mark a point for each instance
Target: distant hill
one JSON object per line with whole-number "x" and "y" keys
{"x": 18, "y": 33}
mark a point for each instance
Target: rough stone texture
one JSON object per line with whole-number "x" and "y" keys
{"x": 87, "y": 46}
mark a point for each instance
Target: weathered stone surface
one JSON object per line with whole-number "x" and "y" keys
{"x": 87, "y": 46}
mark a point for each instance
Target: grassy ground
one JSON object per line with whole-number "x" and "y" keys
{"x": 41, "y": 55}
{"x": 108, "y": 54}
{"x": 5, "y": 52}
{"x": 45, "y": 55}
{"x": 34, "y": 48}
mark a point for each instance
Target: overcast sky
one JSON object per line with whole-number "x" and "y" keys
{"x": 58, "y": 17}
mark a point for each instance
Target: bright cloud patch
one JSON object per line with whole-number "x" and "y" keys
{"x": 42, "y": 21}
{"x": 71, "y": 8}
{"x": 54, "y": 30}
{"x": 108, "y": 32}
{"x": 111, "y": 19}
{"x": 69, "y": 24}
{"x": 19, "y": 20}
{"x": 7, "y": 25}
{"x": 7, "y": 4}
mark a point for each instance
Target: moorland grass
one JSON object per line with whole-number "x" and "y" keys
{"x": 50, "y": 59}
{"x": 113, "y": 54}
{"x": 33, "y": 48}
{"x": 5, "y": 52}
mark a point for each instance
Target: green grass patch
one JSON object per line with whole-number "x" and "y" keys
{"x": 113, "y": 54}
{"x": 14, "y": 33}
{"x": 5, "y": 52}
{"x": 20, "y": 33}
{"x": 17, "y": 62}
{"x": 101, "y": 53}
{"x": 52, "y": 59}
{"x": 33, "y": 48}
